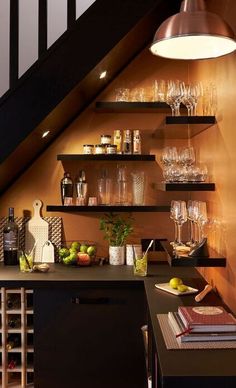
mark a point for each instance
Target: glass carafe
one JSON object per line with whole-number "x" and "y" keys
{"x": 122, "y": 186}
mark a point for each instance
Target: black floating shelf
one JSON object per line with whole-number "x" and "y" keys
{"x": 190, "y": 120}
{"x": 107, "y": 157}
{"x": 185, "y": 186}
{"x": 184, "y": 127}
{"x": 214, "y": 260}
{"x": 122, "y": 106}
{"x": 102, "y": 209}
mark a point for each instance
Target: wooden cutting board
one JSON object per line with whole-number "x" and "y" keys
{"x": 36, "y": 231}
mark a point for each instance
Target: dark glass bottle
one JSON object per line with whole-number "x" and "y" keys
{"x": 66, "y": 189}
{"x": 14, "y": 322}
{"x": 10, "y": 240}
{"x": 13, "y": 302}
{"x": 13, "y": 341}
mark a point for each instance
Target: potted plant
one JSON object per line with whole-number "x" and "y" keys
{"x": 116, "y": 230}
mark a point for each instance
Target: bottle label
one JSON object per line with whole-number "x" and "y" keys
{"x": 10, "y": 241}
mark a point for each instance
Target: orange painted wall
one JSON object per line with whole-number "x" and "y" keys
{"x": 216, "y": 147}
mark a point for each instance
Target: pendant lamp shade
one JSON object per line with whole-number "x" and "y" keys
{"x": 193, "y": 33}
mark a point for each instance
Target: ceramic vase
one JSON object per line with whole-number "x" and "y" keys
{"x": 116, "y": 255}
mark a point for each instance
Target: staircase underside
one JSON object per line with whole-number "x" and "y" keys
{"x": 62, "y": 83}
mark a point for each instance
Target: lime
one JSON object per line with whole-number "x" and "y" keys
{"x": 175, "y": 282}
{"x": 64, "y": 252}
{"x": 182, "y": 288}
{"x": 75, "y": 245}
{"x": 83, "y": 248}
{"x": 91, "y": 250}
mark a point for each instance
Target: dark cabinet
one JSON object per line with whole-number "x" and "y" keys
{"x": 89, "y": 337}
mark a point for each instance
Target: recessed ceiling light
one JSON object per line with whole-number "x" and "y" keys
{"x": 103, "y": 74}
{"x": 45, "y": 134}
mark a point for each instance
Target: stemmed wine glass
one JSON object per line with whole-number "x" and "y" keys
{"x": 202, "y": 219}
{"x": 190, "y": 215}
{"x": 179, "y": 214}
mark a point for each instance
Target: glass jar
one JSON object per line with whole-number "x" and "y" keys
{"x": 100, "y": 149}
{"x": 105, "y": 139}
{"x": 88, "y": 149}
{"x": 111, "y": 149}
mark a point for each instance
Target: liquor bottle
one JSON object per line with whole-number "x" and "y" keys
{"x": 117, "y": 140}
{"x": 10, "y": 240}
{"x": 66, "y": 189}
{"x": 127, "y": 142}
{"x": 14, "y": 322}
{"x": 136, "y": 142}
{"x": 13, "y": 341}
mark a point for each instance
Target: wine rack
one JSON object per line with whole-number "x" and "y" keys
{"x": 16, "y": 335}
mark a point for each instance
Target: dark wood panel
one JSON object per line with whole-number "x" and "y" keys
{"x": 42, "y": 27}
{"x": 106, "y": 157}
{"x": 185, "y": 186}
{"x": 14, "y": 42}
{"x": 102, "y": 209}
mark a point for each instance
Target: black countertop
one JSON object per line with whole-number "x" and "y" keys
{"x": 178, "y": 368}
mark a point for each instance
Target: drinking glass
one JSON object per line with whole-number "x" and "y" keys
{"x": 202, "y": 219}
{"x": 138, "y": 186}
{"x": 190, "y": 217}
{"x": 122, "y": 94}
{"x": 179, "y": 213}
{"x": 159, "y": 90}
{"x": 186, "y": 99}
{"x": 195, "y": 92}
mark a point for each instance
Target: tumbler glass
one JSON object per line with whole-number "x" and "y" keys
{"x": 138, "y": 186}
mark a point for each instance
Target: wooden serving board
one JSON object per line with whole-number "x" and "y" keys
{"x": 166, "y": 287}
{"x": 54, "y": 232}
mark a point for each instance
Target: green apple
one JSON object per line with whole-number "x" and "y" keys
{"x": 83, "y": 248}
{"x": 175, "y": 282}
{"x": 64, "y": 252}
{"x": 182, "y": 288}
{"x": 91, "y": 250}
{"x": 75, "y": 245}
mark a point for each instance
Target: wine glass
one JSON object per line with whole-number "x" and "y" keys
{"x": 179, "y": 213}
{"x": 202, "y": 219}
{"x": 190, "y": 216}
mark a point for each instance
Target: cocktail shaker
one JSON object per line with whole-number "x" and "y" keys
{"x": 81, "y": 188}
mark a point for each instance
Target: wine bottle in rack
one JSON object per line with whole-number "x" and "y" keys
{"x": 14, "y": 360}
{"x": 13, "y": 341}
{"x": 13, "y": 301}
{"x": 14, "y": 322}
{"x": 10, "y": 240}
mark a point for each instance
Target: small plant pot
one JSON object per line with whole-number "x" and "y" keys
{"x": 116, "y": 255}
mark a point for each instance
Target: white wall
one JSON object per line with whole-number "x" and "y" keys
{"x": 28, "y": 34}
{"x": 82, "y": 5}
{"x": 4, "y": 45}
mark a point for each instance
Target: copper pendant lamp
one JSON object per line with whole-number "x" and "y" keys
{"x": 193, "y": 33}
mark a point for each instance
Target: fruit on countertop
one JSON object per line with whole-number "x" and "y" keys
{"x": 77, "y": 254}
{"x": 83, "y": 259}
{"x": 64, "y": 252}
{"x": 182, "y": 288}
{"x": 175, "y": 282}
{"x": 83, "y": 248}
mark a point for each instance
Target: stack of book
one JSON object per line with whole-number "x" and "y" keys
{"x": 202, "y": 323}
